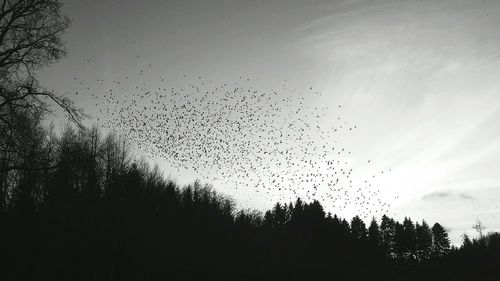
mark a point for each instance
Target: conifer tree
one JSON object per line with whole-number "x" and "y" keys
{"x": 358, "y": 228}
{"x": 387, "y": 235}
{"x": 374, "y": 233}
{"x": 424, "y": 240}
{"x": 441, "y": 240}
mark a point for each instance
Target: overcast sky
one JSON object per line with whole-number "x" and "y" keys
{"x": 420, "y": 79}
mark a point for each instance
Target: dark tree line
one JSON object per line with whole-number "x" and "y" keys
{"x": 404, "y": 242}
{"x": 101, "y": 214}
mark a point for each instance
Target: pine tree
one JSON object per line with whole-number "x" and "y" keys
{"x": 374, "y": 233}
{"x": 387, "y": 235}
{"x": 424, "y": 240}
{"x": 466, "y": 242}
{"x": 399, "y": 243}
{"x": 358, "y": 228}
{"x": 280, "y": 216}
{"x": 409, "y": 238}
{"x": 441, "y": 240}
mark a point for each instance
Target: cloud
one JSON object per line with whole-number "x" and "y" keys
{"x": 466, "y": 196}
{"x": 437, "y": 195}
{"x": 489, "y": 211}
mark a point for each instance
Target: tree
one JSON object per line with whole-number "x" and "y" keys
{"x": 358, "y": 228}
{"x": 280, "y": 216}
{"x": 30, "y": 35}
{"x": 399, "y": 243}
{"x": 314, "y": 213}
{"x": 441, "y": 240}
{"x": 24, "y": 194}
{"x": 409, "y": 238}
{"x": 424, "y": 240}
{"x": 30, "y": 39}
{"x": 387, "y": 234}
{"x": 297, "y": 211}
{"x": 479, "y": 227}
{"x": 268, "y": 220}
{"x": 374, "y": 233}
{"x": 466, "y": 242}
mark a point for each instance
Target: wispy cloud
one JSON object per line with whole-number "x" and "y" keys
{"x": 466, "y": 196}
{"x": 489, "y": 211}
{"x": 438, "y": 195}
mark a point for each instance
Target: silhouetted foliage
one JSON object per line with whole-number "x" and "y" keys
{"x": 388, "y": 234}
{"x": 423, "y": 241}
{"x": 374, "y": 236}
{"x": 406, "y": 240}
{"x": 100, "y": 214}
{"x": 30, "y": 39}
{"x": 358, "y": 228}
{"x": 441, "y": 241}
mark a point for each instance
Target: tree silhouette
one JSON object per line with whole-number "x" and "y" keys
{"x": 358, "y": 228}
{"x": 407, "y": 240}
{"x": 479, "y": 227}
{"x": 441, "y": 240}
{"x": 466, "y": 241}
{"x": 424, "y": 240}
{"x": 30, "y": 39}
{"x": 388, "y": 234}
{"x": 374, "y": 236}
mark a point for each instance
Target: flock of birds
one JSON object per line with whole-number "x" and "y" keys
{"x": 273, "y": 142}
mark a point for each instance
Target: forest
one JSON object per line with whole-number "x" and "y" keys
{"x": 78, "y": 204}
{"x": 80, "y": 207}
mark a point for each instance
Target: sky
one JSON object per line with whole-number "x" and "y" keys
{"x": 419, "y": 78}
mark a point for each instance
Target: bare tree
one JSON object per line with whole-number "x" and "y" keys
{"x": 30, "y": 39}
{"x": 30, "y": 35}
{"x": 479, "y": 227}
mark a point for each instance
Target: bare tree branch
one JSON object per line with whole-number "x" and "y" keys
{"x": 30, "y": 39}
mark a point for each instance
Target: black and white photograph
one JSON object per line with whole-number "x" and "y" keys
{"x": 250, "y": 140}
